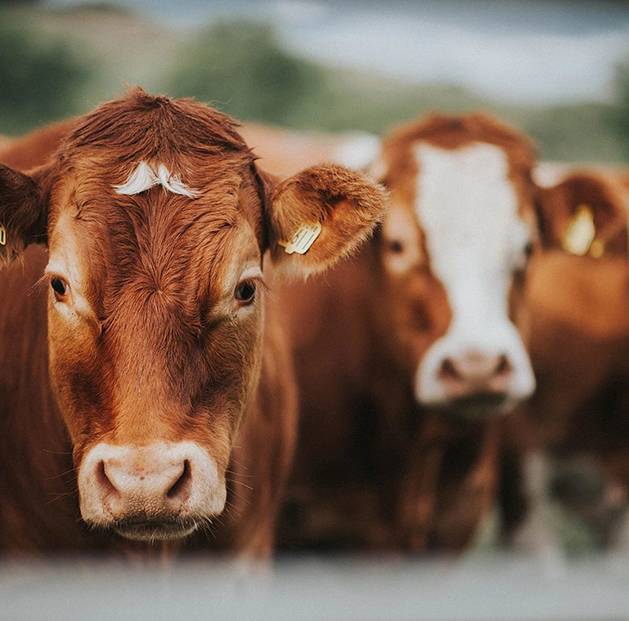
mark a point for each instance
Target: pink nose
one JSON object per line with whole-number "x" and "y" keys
{"x": 132, "y": 486}
{"x": 475, "y": 372}
{"x": 157, "y": 483}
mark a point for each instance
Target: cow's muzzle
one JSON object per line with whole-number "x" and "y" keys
{"x": 153, "y": 492}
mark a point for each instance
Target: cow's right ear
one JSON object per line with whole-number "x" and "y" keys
{"x": 22, "y": 214}
{"x": 319, "y": 216}
{"x": 584, "y": 215}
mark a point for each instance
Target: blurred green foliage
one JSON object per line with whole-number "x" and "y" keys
{"x": 57, "y": 63}
{"x": 240, "y": 68}
{"x": 619, "y": 114}
{"x": 576, "y": 132}
{"x": 40, "y": 76}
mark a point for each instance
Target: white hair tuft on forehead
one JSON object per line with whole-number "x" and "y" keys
{"x": 144, "y": 177}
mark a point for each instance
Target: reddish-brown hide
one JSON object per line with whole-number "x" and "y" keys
{"x": 374, "y": 468}
{"x": 34, "y": 149}
{"x": 580, "y": 351}
{"x": 155, "y": 339}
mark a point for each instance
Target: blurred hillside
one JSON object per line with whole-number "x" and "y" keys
{"x": 57, "y": 63}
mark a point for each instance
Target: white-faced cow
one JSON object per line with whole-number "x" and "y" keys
{"x": 138, "y": 361}
{"x": 409, "y": 355}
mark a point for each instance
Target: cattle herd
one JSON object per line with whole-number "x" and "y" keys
{"x": 181, "y": 373}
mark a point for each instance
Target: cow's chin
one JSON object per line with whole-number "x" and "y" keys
{"x": 477, "y": 407}
{"x": 152, "y": 530}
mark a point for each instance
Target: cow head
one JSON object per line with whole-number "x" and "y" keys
{"x": 452, "y": 255}
{"x": 157, "y": 220}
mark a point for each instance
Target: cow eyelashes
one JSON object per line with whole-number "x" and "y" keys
{"x": 245, "y": 292}
{"x": 60, "y": 288}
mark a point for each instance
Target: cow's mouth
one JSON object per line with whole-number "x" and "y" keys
{"x": 479, "y": 405}
{"x": 151, "y": 529}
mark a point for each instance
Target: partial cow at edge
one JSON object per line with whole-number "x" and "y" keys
{"x": 572, "y": 443}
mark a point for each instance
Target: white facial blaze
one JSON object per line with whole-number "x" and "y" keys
{"x": 468, "y": 210}
{"x": 144, "y": 177}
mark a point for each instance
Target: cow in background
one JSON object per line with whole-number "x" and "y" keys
{"x": 573, "y": 440}
{"x": 33, "y": 149}
{"x": 409, "y": 356}
{"x": 142, "y": 362}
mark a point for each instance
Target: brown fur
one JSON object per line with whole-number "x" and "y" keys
{"x": 602, "y": 192}
{"x": 20, "y": 213}
{"x": 34, "y": 149}
{"x": 155, "y": 351}
{"x": 580, "y": 340}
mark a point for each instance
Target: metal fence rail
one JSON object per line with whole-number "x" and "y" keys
{"x": 478, "y": 588}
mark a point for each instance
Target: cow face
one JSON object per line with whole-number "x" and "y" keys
{"x": 157, "y": 224}
{"x": 453, "y": 251}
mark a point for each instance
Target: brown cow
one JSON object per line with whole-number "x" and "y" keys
{"x": 579, "y": 302}
{"x": 409, "y": 355}
{"x": 138, "y": 362}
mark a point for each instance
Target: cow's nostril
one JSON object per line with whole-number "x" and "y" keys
{"x": 448, "y": 370}
{"x": 504, "y": 366}
{"x": 181, "y": 485}
{"x": 104, "y": 481}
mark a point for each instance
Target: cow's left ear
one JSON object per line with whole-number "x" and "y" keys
{"x": 319, "y": 216}
{"x": 22, "y": 214}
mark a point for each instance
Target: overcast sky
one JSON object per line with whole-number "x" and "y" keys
{"x": 530, "y": 51}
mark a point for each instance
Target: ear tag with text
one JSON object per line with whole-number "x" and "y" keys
{"x": 302, "y": 239}
{"x": 581, "y": 232}
{"x": 3, "y": 236}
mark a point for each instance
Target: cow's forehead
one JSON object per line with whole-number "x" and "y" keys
{"x": 477, "y": 161}
{"x": 464, "y": 196}
{"x": 467, "y": 206}
{"x": 148, "y": 225}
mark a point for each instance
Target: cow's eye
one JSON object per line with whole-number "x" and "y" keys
{"x": 60, "y": 288}
{"x": 396, "y": 246}
{"x": 523, "y": 258}
{"x": 245, "y": 292}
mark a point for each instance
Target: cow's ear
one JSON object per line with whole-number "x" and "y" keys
{"x": 584, "y": 215}
{"x": 22, "y": 214}
{"x": 319, "y": 216}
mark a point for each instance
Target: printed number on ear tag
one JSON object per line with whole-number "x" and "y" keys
{"x": 581, "y": 232}
{"x": 3, "y": 236}
{"x": 302, "y": 239}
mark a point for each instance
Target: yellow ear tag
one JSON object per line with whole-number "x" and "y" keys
{"x": 302, "y": 239}
{"x": 581, "y": 232}
{"x": 3, "y": 236}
